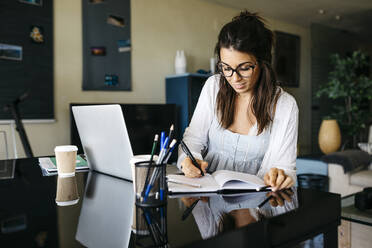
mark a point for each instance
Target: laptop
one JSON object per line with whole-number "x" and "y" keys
{"x": 105, "y": 139}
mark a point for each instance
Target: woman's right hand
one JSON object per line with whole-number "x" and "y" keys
{"x": 190, "y": 170}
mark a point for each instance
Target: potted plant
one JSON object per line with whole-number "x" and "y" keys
{"x": 350, "y": 82}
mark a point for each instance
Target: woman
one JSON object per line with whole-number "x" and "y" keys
{"x": 243, "y": 121}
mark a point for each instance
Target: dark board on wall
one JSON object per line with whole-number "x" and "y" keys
{"x": 30, "y": 70}
{"x": 106, "y": 45}
{"x": 287, "y": 59}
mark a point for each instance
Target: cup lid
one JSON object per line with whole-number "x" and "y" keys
{"x": 67, "y": 148}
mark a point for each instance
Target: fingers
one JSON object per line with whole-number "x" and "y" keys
{"x": 280, "y": 179}
{"x": 277, "y": 179}
{"x": 273, "y": 173}
{"x": 287, "y": 183}
{"x": 190, "y": 170}
{"x": 203, "y": 165}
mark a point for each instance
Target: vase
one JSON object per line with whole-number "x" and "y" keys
{"x": 180, "y": 62}
{"x": 329, "y": 136}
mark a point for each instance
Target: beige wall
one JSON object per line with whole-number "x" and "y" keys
{"x": 159, "y": 28}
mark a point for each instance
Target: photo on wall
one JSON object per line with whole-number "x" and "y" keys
{"x": 111, "y": 80}
{"x": 123, "y": 46}
{"x": 96, "y": 1}
{"x": 33, "y": 2}
{"x": 116, "y": 21}
{"x": 10, "y": 52}
{"x": 37, "y": 34}
{"x": 98, "y": 51}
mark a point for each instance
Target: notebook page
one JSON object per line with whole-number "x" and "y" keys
{"x": 237, "y": 180}
{"x": 207, "y": 183}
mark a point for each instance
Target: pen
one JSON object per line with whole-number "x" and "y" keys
{"x": 157, "y": 169}
{"x": 151, "y": 161}
{"x": 168, "y": 154}
{"x": 162, "y": 139}
{"x": 196, "y": 185}
{"x": 188, "y": 153}
{"x": 171, "y": 131}
{"x": 189, "y": 210}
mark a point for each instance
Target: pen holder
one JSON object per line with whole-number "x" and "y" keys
{"x": 150, "y": 184}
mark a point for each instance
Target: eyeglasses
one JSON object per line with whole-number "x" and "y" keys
{"x": 243, "y": 70}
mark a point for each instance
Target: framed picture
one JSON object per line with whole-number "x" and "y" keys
{"x": 33, "y": 2}
{"x": 117, "y": 21}
{"x": 96, "y": 1}
{"x": 37, "y": 34}
{"x": 10, "y": 52}
{"x": 98, "y": 51}
{"x": 123, "y": 46}
{"x": 287, "y": 59}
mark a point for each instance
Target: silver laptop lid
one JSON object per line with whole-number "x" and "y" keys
{"x": 105, "y": 139}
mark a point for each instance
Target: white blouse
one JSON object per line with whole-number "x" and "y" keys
{"x": 282, "y": 148}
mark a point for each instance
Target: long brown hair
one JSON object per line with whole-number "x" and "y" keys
{"x": 248, "y": 33}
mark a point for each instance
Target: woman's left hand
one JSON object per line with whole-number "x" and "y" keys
{"x": 277, "y": 179}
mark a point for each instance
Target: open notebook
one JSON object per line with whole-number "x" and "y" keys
{"x": 221, "y": 181}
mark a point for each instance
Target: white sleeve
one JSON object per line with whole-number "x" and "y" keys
{"x": 196, "y": 134}
{"x": 282, "y": 151}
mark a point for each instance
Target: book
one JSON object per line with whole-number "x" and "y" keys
{"x": 49, "y": 165}
{"x": 221, "y": 182}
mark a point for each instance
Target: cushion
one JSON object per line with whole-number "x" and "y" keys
{"x": 362, "y": 178}
{"x": 350, "y": 160}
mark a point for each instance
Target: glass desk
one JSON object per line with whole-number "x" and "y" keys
{"x": 351, "y": 213}
{"x": 106, "y": 216}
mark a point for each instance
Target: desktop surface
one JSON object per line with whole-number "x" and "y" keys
{"x": 106, "y": 215}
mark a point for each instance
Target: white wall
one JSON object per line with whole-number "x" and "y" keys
{"x": 159, "y": 28}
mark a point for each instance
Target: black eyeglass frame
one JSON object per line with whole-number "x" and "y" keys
{"x": 220, "y": 63}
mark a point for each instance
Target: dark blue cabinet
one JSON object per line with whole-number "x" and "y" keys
{"x": 184, "y": 90}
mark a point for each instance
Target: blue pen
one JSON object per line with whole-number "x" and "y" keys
{"x": 162, "y": 139}
{"x": 169, "y": 154}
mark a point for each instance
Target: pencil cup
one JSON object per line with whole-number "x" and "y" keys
{"x": 66, "y": 160}
{"x": 139, "y": 158}
{"x": 149, "y": 186}
{"x": 67, "y": 192}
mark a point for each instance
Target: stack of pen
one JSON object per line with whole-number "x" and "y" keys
{"x": 156, "y": 171}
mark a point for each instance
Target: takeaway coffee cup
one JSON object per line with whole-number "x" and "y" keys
{"x": 67, "y": 192}
{"x": 66, "y": 160}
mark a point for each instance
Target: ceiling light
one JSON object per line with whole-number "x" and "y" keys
{"x": 337, "y": 17}
{"x": 321, "y": 11}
